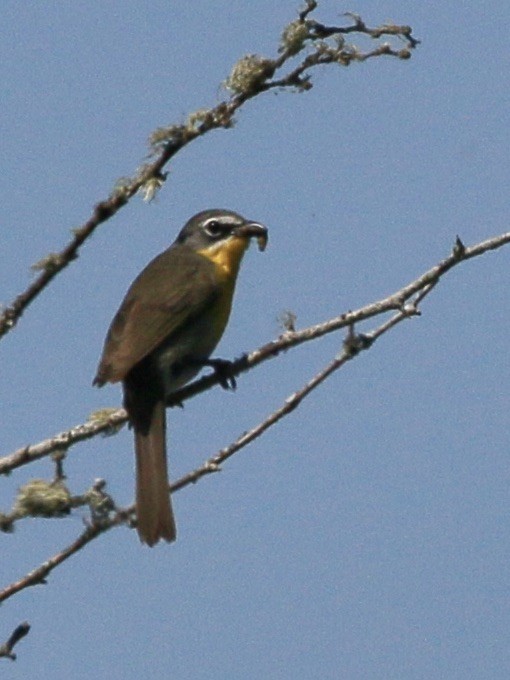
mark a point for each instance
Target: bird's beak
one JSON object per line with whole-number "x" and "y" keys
{"x": 252, "y": 230}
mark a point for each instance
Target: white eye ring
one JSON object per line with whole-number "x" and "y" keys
{"x": 214, "y": 228}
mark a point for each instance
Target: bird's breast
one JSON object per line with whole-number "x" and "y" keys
{"x": 199, "y": 337}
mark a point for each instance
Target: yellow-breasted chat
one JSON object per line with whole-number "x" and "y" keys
{"x": 167, "y": 326}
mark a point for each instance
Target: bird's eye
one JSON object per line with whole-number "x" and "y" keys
{"x": 214, "y": 228}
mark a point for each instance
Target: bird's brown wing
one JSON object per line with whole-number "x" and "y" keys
{"x": 175, "y": 287}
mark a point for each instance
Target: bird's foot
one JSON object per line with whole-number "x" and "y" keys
{"x": 223, "y": 370}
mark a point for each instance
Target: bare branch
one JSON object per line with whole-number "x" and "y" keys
{"x": 18, "y": 634}
{"x": 105, "y": 424}
{"x": 54, "y": 263}
{"x": 404, "y": 304}
{"x": 250, "y": 77}
{"x": 38, "y": 576}
{"x": 109, "y": 421}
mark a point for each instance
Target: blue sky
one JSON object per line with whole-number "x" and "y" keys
{"x": 366, "y": 536}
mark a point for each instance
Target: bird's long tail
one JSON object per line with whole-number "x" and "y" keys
{"x": 155, "y": 517}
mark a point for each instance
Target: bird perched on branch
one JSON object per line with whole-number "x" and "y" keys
{"x": 168, "y": 324}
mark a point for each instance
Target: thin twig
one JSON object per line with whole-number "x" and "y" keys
{"x": 63, "y": 440}
{"x": 18, "y": 634}
{"x": 38, "y": 576}
{"x": 167, "y": 142}
{"x": 421, "y": 287}
{"x": 353, "y": 345}
{"x": 126, "y": 515}
{"x": 54, "y": 263}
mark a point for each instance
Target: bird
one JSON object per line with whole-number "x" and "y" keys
{"x": 164, "y": 332}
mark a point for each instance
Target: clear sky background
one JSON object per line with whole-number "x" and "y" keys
{"x": 367, "y": 535}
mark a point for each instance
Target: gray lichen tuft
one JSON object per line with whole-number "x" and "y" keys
{"x": 249, "y": 73}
